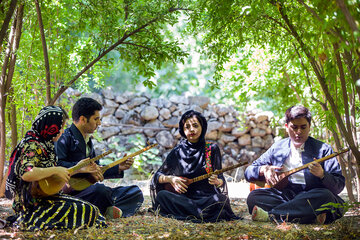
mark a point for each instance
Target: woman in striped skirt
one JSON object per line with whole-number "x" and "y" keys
{"x": 34, "y": 159}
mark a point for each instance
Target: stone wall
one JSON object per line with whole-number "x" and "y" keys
{"x": 240, "y": 136}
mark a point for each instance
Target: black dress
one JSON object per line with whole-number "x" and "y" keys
{"x": 202, "y": 202}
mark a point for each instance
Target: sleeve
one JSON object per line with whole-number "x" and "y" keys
{"x": 333, "y": 178}
{"x": 62, "y": 147}
{"x": 31, "y": 156}
{"x": 113, "y": 173}
{"x": 252, "y": 171}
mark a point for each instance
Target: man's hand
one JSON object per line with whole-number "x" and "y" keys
{"x": 270, "y": 174}
{"x": 93, "y": 169}
{"x": 316, "y": 169}
{"x": 126, "y": 165}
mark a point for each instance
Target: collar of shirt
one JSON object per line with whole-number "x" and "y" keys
{"x": 299, "y": 149}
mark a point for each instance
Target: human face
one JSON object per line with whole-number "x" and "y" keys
{"x": 192, "y": 129}
{"x": 91, "y": 124}
{"x": 298, "y": 130}
{"x": 60, "y": 133}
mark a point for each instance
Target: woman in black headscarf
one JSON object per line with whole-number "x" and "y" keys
{"x": 203, "y": 201}
{"x": 34, "y": 159}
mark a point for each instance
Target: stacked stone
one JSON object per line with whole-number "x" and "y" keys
{"x": 241, "y": 136}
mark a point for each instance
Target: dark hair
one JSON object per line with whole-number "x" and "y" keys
{"x": 200, "y": 118}
{"x": 85, "y": 107}
{"x": 296, "y": 112}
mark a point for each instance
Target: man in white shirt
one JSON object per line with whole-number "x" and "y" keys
{"x": 308, "y": 189}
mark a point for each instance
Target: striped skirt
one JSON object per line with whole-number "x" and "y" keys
{"x": 60, "y": 212}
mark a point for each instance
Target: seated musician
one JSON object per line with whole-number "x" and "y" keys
{"x": 75, "y": 144}
{"x": 308, "y": 189}
{"x": 203, "y": 201}
{"x": 34, "y": 159}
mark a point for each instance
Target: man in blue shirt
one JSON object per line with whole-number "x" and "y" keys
{"x": 307, "y": 189}
{"x": 75, "y": 144}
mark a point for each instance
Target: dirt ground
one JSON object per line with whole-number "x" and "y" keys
{"x": 147, "y": 225}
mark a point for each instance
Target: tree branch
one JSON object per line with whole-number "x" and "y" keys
{"x": 351, "y": 21}
{"x": 7, "y": 20}
{"x": 109, "y": 49}
{"x": 45, "y": 52}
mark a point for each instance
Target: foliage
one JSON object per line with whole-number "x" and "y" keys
{"x": 77, "y": 33}
{"x": 259, "y": 58}
{"x": 146, "y": 158}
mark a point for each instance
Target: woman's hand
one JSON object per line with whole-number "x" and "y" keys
{"x": 179, "y": 184}
{"x": 270, "y": 173}
{"x": 62, "y": 173}
{"x": 214, "y": 180}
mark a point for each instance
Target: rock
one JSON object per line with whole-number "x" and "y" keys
{"x": 227, "y": 138}
{"x": 107, "y": 111}
{"x": 223, "y": 110}
{"x": 201, "y": 101}
{"x": 110, "y": 103}
{"x": 179, "y": 99}
{"x": 107, "y": 93}
{"x": 160, "y": 103}
{"x": 213, "y": 125}
{"x": 119, "y": 113}
{"x": 121, "y": 99}
{"x": 226, "y": 127}
{"x": 229, "y": 118}
{"x": 172, "y": 122}
{"x": 152, "y": 124}
{"x": 262, "y": 116}
{"x": 136, "y": 102}
{"x": 95, "y": 96}
{"x": 213, "y": 135}
{"x": 257, "y": 142}
{"x": 132, "y": 117}
{"x": 149, "y": 113}
{"x": 165, "y": 139}
{"x": 106, "y": 132}
{"x": 268, "y": 141}
{"x": 165, "y": 113}
{"x": 255, "y": 132}
{"x": 109, "y": 121}
{"x": 244, "y": 140}
{"x": 238, "y": 131}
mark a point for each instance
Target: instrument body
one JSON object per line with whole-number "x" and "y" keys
{"x": 80, "y": 184}
{"x": 284, "y": 176}
{"x": 53, "y": 184}
{"x": 169, "y": 187}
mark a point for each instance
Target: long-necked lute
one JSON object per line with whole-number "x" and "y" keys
{"x": 189, "y": 181}
{"x": 53, "y": 184}
{"x": 80, "y": 184}
{"x": 284, "y": 176}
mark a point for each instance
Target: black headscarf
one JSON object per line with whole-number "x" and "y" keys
{"x": 45, "y": 127}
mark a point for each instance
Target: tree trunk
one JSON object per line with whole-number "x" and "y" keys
{"x": 6, "y": 79}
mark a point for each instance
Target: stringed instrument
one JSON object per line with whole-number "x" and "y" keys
{"x": 80, "y": 184}
{"x": 53, "y": 184}
{"x": 283, "y": 176}
{"x": 169, "y": 187}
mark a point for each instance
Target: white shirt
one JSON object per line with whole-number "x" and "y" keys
{"x": 293, "y": 161}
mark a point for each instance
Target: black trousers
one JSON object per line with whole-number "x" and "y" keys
{"x": 128, "y": 198}
{"x": 295, "y": 204}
